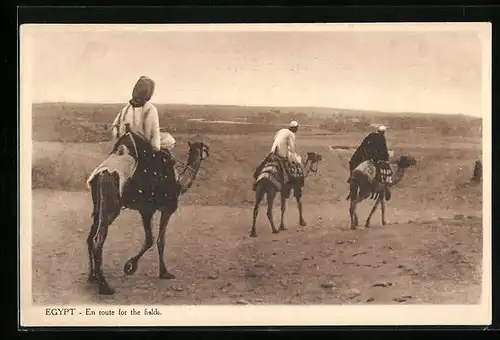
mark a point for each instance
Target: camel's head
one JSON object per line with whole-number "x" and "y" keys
{"x": 314, "y": 157}
{"x": 198, "y": 150}
{"x": 406, "y": 161}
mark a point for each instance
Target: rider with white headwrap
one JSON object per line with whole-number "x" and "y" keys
{"x": 284, "y": 143}
{"x": 284, "y": 148}
{"x": 373, "y": 147}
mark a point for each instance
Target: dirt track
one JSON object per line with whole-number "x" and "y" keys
{"x": 207, "y": 247}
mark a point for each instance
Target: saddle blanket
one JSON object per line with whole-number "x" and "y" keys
{"x": 381, "y": 172}
{"x": 119, "y": 162}
{"x": 273, "y": 170}
{"x": 384, "y": 173}
{"x": 296, "y": 170}
{"x": 279, "y": 170}
{"x": 154, "y": 181}
{"x": 296, "y": 174}
{"x": 144, "y": 175}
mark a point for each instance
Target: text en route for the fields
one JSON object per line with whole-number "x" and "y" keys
{"x": 102, "y": 312}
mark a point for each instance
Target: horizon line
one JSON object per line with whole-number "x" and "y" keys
{"x": 270, "y": 106}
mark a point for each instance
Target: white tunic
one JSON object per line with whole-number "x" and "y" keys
{"x": 284, "y": 145}
{"x": 143, "y": 120}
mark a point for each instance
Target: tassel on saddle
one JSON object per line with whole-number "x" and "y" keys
{"x": 375, "y": 195}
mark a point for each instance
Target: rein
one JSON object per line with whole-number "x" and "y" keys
{"x": 313, "y": 167}
{"x": 192, "y": 172}
{"x": 185, "y": 165}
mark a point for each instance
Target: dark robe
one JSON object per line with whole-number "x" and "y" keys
{"x": 374, "y": 147}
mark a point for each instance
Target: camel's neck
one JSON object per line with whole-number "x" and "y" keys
{"x": 190, "y": 171}
{"x": 398, "y": 173}
{"x": 307, "y": 168}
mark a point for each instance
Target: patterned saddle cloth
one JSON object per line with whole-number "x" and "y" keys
{"x": 154, "y": 181}
{"x": 296, "y": 173}
{"x": 384, "y": 173}
{"x": 280, "y": 170}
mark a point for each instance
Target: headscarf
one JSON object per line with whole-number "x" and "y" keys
{"x": 143, "y": 91}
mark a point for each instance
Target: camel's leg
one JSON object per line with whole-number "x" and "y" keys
{"x": 302, "y": 222}
{"x": 93, "y": 230}
{"x": 259, "y": 194}
{"x": 353, "y": 196}
{"x": 352, "y": 213}
{"x": 131, "y": 265}
{"x": 377, "y": 202}
{"x": 283, "y": 208}
{"x": 98, "y": 243}
{"x": 382, "y": 208}
{"x": 107, "y": 213}
{"x": 298, "y": 196}
{"x": 271, "y": 194}
{"x": 165, "y": 217}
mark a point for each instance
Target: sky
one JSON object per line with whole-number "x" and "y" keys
{"x": 426, "y": 71}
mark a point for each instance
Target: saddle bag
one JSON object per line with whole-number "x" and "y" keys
{"x": 384, "y": 172}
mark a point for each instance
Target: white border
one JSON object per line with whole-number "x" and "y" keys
{"x": 256, "y": 315}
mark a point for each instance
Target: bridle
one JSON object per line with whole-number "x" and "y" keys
{"x": 205, "y": 153}
{"x": 314, "y": 159}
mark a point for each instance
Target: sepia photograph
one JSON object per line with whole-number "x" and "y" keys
{"x": 251, "y": 174}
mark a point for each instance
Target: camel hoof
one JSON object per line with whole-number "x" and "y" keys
{"x": 384, "y": 222}
{"x": 92, "y": 278}
{"x": 353, "y": 227}
{"x": 167, "y": 276}
{"x": 253, "y": 234}
{"x": 302, "y": 223}
{"x": 367, "y": 226}
{"x": 130, "y": 267}
{"x": 276, "y": 231}
{"x": 282, "y": 227}
{"x": 106, "y": 290}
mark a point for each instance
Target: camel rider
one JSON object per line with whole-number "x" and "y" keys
{"x": 373, "y": 147}
{"x": 284, "y": 147}
{"x": 142, "y": 117}
{"x": 284, "y": 143}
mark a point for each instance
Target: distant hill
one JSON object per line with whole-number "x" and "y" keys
{"x": 92, "y": 120}
{"x": 250, "y": 110}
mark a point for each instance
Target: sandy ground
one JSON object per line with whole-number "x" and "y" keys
{"x": 430, "y": 252}
{"x": 436, "y": 259}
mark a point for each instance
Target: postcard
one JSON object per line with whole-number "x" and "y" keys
{"x": 255, "y": 174}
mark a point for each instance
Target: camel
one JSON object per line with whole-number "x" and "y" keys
{"x": 108, "y": 203}
{"x": 362, "y": 184}
{"x": 270, "y": 185}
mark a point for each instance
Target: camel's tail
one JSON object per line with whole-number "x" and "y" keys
{"x": 349, "y": 194}
{"x": 353, "y": 190}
